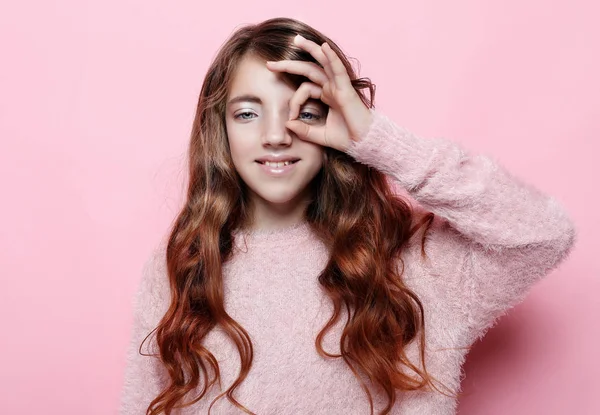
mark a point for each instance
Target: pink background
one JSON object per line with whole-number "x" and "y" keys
{"x": 96, "y": 105}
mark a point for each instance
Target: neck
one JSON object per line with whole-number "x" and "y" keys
{"x": 270, "y": 216}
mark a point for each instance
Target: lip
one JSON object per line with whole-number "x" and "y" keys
{"x": 277, "y": 171}
{"x": 277, "y": 158}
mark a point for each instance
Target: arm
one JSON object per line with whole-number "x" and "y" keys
{"x": 503, "y": 234}
{"x": 144, "y": 376}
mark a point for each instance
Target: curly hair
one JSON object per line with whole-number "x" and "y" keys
{"x": 353, "y": 210}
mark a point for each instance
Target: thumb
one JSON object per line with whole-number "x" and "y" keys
{"x": 306, "y": 132}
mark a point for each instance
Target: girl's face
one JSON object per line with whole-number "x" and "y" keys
{"x": 257, "y": 109}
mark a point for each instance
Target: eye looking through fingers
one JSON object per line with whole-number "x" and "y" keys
{"x": 307, "y": 92}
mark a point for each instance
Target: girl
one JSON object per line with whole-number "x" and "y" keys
{"x": 296, "y": 279}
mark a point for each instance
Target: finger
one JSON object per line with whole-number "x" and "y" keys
{"x": 314, "y": 134}
{"x": 308, "y": 69}
{"x": 305, "y": 91}
{"x": 327, "y": 68}
{"x": 316, "y": 51}
{"x": 340, "y": 76}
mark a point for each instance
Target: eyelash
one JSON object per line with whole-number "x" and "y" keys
{"x": 315, "y": 116}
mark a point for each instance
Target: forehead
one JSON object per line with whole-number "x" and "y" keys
{"x": 252, "y": 76}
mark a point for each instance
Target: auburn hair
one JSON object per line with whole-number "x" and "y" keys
{"x": 353, "y": 210}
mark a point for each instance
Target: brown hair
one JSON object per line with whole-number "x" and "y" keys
{"x": 353, "y": 210}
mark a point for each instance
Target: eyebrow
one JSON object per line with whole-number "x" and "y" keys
{"x": 245, "y": 98}
{"x": 257, "y": 100}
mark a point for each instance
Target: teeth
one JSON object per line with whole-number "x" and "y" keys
{"x": 277, "y": 164}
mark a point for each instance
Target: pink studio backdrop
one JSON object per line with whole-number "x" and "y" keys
{"x": 96, "y": 104}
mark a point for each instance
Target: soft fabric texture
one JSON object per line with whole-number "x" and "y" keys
{"x": 494, "y": 236}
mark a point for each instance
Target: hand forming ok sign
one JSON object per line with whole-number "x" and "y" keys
{"x": 348, "y": 118}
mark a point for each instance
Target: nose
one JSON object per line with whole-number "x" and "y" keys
{"x": 276, "y": 133}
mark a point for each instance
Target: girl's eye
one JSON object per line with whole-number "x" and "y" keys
{"x": 243, "y": 113}
{"x": 313, "y": 116}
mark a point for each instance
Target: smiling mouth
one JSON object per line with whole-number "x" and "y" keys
{"x": 277, "y": 164}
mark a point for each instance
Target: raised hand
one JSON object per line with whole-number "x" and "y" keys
{"x": 348, "y": 118}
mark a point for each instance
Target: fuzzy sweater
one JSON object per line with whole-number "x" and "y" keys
{"x": 494, "y": 236}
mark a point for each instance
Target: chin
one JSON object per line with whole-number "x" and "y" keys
{"x": 278, "y": 199}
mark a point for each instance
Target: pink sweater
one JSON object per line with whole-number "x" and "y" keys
{"x": 493, "y": 238}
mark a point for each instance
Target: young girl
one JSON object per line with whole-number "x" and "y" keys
{"x": 296, "y": 278}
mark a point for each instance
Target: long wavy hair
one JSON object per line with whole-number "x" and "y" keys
{"x": 353, "y": 210}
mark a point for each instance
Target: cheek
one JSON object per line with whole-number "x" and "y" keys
{"x": 314, "y": 163}
{"x": 317, "y": 155}
{"x": 238, "y": 147}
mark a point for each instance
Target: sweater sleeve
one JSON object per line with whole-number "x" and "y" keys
{"x": 501, "y": 234}
{"x": 145, "y": 377}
